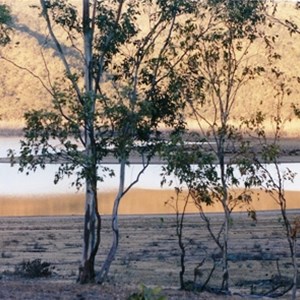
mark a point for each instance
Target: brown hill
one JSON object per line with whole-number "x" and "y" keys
{"x": 31, "y": 49}
{"x": 21, "y": 90}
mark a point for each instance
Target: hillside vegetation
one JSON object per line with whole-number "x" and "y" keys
{"x": 22, "y": 89}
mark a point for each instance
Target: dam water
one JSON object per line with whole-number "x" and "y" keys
{"x": 36, "y": 194}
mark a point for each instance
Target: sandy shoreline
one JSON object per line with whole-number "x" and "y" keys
{"x": 136, "y": 202}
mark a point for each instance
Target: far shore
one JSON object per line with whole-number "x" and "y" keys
{"x": 136, "y": 202}
{"x": 290, "y": 152}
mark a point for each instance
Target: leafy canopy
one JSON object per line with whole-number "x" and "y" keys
{"x": 133, "y": 85}
{"x": 5, "y": 22}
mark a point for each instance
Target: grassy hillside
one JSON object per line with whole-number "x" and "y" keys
{"x": 20, "y": 90}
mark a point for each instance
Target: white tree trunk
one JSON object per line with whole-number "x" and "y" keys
{"x": 92, "y": 220}
{"x": 115, "y": 226}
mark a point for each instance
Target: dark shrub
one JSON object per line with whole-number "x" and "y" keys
{"x": 34, "y": 268}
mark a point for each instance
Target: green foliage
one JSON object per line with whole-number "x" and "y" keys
{"x": 113, "y": 101}
{"x": 113, "y": 34}
{"x": 296, "y": 110}
{"x": 131, "y": 92}
{"x": 270, "y": 152}
{"x": 147, "y": 293}
{"x": 213, "y": 79}
{"x": 64, "y": 14}
{"x": 5, "y": 22}
{"x": 194, "y": 165}
{"x": 34, "y": 269}
{"x": 5, "y": 16}
{"x": 214, "y": 163}
{"x": 50, "y": 137}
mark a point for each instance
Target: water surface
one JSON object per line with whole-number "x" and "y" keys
{"x": 36, "y": 194}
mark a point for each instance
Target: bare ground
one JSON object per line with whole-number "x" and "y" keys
{"x": 148, "y": 254}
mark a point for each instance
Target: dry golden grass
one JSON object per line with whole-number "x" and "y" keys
{"x": 137, "y": 201}
{"x": 20, "y": 91}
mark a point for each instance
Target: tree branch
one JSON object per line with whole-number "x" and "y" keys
{"x": 60, "y": 50}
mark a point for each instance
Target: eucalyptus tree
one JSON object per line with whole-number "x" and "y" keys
{"x": 113, "y": 102}
{"x": 273, "y": 176}
{"x": 214, "y": 74}
{"x": 273, "y": 183}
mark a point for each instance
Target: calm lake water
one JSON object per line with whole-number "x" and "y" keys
{"x": 13, "y": 182}
{"x": 41, "y": 181}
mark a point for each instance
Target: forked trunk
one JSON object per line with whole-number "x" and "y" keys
{"x": 115, "y": 227}
{"x": 92, "y": 220}
{"x": 91, "y": 236}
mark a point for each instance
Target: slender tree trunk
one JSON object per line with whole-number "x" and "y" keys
{"x": 221, "y": 151}
{"x": 182, "y": 263}
{"x": 115, "y": 226}
{"x": 92, "y": 219}
{"x": 91, "y": 235}
{"x": 295, "y": 273}
{"x": 292, "y": 240}
{"x": 179, "y": 232}
{"x": 225, "y": 285}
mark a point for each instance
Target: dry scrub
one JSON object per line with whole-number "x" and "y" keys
{"x": 148, "y": 254}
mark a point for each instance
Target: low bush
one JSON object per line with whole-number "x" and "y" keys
{"x": 147, "y": 293}
{"x": 34, "y": 268}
